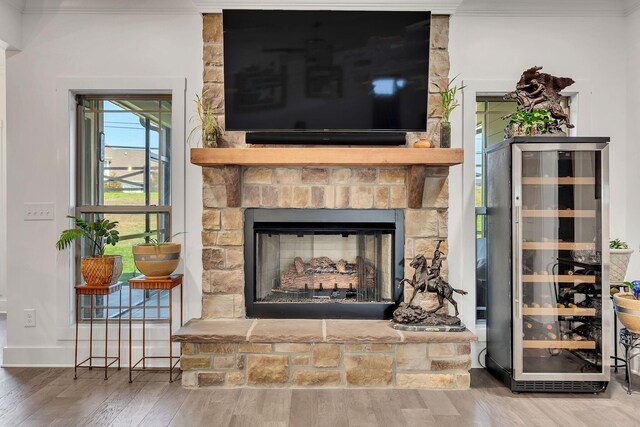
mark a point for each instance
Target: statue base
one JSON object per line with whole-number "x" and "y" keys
{"x": 414, "y": 318}
{"x": 427, "y": 328}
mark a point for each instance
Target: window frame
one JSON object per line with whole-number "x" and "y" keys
{"x": 83, "y": 171}
{"x": 63, "y": 135}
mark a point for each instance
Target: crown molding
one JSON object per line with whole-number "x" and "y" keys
{"x": 442, "y": 7}
{"x": 545, "y": 8}
{"x": 16, "y": 4}
{"x": 632, "y": 6}
{"x": 486, "y": 8}
{"x": 110, "y": 7}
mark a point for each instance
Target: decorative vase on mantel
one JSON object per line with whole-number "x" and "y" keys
{"x": 445, "y": 135}
{"x": 210, "y": 140}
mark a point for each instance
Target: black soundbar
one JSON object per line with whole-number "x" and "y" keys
{"x": 324, "y": 138}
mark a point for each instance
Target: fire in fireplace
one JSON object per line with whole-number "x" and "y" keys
{"x": 323, "y": 263}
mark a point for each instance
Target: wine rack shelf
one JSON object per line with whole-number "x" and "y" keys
{"x": 531, "y": 311}
{"x": 590, "y": 345}
{"x": 562, "y": 278}
{"x": 566, "y": 213}
{"x": 550, "y": 180}
{"x": 560, "y": 246}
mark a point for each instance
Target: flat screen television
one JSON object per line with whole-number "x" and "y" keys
{"x": 325, "y": 72}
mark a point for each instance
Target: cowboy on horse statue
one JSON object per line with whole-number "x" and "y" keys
{"x": 427, "y": 278}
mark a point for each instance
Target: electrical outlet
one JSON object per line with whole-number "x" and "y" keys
{"x": 30, "y": 318}
{"x": 38, "y": 212}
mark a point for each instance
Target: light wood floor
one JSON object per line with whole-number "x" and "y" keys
{"x": 43, "y": 396}
{"x": 40, "y": 396}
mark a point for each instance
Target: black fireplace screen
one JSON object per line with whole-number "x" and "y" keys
{"x": 323, "y": 263}
{"x": 324, "y": 266}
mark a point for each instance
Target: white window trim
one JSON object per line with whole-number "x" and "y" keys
{"x": 3, "y": 181}
{"x": 67, "y": 89}
{"x": 580, "y": 94}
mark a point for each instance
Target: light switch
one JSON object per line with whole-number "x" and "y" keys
{"x": 38, "y": 212}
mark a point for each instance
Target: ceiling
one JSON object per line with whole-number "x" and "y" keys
{"x": 461, "y": 7}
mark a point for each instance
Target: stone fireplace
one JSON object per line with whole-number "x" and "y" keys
{"x": 323, "y": 263}
{"x": 238, "y": 342}
{"x": 301, "y": 189}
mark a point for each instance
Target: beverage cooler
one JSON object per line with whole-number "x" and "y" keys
{"x": 548, "y": 307}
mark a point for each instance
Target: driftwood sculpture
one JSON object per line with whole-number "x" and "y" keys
{"x": 536, "y": 90}
{"x": 427, "y": 278}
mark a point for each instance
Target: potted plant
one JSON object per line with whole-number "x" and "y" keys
{"x": 157, "y": 260}
{"x": 207, "y": 124}
{"x": 627, "y": 306}
{"x": 98, "y": 268}
{"x": 529, "y": 123}
{"x": 619, "y": 254}
{"x": 448, "y": 103}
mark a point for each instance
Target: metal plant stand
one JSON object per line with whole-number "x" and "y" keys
{"x": 93, "y": 291}
{"x": 143, "y": 283}
{"x": 618, "y": 362}
{"x": 630, "y": 341}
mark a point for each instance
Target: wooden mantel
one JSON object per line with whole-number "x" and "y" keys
{"x": 375, "y": 156}
{"x": 416, "y": 159}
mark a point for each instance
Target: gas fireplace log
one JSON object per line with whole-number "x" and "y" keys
{"x": 292, "y": 280}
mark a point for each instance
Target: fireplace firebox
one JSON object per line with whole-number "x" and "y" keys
{"x": 323, "y": 263}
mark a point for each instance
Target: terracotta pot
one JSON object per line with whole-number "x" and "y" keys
{"x": 422, "y": 143}
{"x": 628, "y": 310}
{"x": 101, "y": 271}
{"x": 157, "y": 262}
{"x": 618, "y": 263}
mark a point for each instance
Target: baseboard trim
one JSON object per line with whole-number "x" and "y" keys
{"x": 63, "y": 357}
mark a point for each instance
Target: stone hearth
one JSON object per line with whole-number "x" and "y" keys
{"x": 321, "y": 353}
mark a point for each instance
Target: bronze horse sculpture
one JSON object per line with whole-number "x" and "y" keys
{"x": 427, "y": 278}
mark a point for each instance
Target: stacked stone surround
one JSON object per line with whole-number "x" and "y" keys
{"x": 223, "y": 349}
{"x": 358, "y": 188}
{"x": 320, "y": 188}
{"x": 321, "y": 353}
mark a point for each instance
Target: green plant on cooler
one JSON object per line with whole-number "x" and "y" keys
{"x": 100, "y": 233}
{"x": 537, "y": 119}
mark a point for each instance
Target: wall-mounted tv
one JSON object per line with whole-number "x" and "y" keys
{"x": 326, "y": 71}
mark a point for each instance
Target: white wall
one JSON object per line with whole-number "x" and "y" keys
{"x": 632, "y": 234}
{"x": 10, "y": 24}
{"x": 3, "y": 203}
{"x": 490, "y": 53}
{"x": 83, "y": 51}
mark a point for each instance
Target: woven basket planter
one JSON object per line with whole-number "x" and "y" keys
{"x": 101, "y": 271}
{"x": 157, "y": 262}
{"x": 618, "y": 263}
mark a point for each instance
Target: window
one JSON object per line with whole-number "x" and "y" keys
{"x": 124, "y": 174}
{"x": 489, "y": 131}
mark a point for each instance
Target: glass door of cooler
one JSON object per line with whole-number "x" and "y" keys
{"x": 560, "y": 232}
